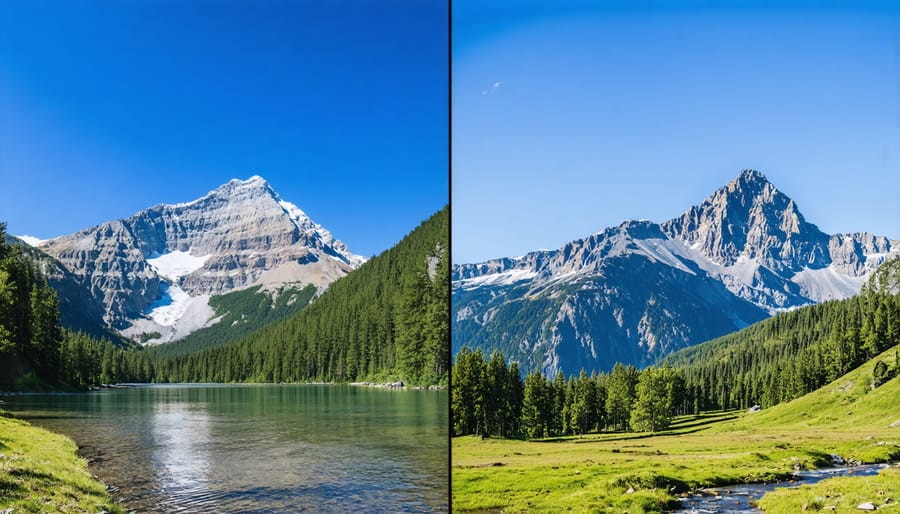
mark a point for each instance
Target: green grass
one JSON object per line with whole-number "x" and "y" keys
{"x": 41, "y": 472}
{"x": 838, "y": 495}
{"x": 595, "y": 472}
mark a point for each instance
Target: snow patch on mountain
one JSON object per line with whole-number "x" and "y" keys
{"x": 293, "y": 211}
{"x": 176, "y": 264}
{"x": 176, "y": 313}
{"x": 873, "y": 260}
{"x": 666, "y": 251}
{"x": 827, "y": 284}
{"x": 31, "y": 240}
{"x": 170, "y": 307}
{"x": 503, "y": 278}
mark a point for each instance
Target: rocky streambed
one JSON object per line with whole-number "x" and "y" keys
{"x": 742, "y": 498}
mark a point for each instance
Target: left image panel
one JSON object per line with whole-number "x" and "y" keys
{"x": 224, "y": 262}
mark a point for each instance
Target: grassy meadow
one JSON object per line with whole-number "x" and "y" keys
{"x": 41, "y": 472}
{"x": 639, "y": 472}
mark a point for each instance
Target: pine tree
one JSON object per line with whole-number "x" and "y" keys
{"x": 651, "y": 412}
{"x": 516, "y": 398}
{"x": 620, "y": 395}
{"x": 7, "y": 342}
{"x": 537, "y": 405}
{"x": 467, "y": 393}
{"x": 496, "y": 396}
{"x": 584, "y": 404}
{"x": 558, "y": 408}
{"x": 439, "y": 320}
{"x": 45, "y": 331}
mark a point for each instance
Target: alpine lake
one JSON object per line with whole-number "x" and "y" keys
{"x": 257, "y": 448}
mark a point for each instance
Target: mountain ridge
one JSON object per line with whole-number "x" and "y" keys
{"x": 747, "y": 237}
{"x": 153, "y": 272}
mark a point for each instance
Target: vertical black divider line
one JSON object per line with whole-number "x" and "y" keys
{"x": 450, "y": 254}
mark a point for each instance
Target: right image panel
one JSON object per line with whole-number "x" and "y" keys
{"x": 676, "y": 247}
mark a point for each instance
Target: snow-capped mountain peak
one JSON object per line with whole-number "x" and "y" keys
{"x": 239, "y": 234}
{"x": 638, "y": 290}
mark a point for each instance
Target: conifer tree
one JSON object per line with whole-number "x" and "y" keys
{"x": 652, "y": 409}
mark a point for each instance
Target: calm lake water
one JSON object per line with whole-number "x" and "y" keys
{"x": 258, "y": 448}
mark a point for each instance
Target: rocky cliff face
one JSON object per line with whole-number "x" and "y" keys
{"x": 753, "y": 238}
{"x": 639, "y": 291}
{"x": 750, "y": 218}
{"x": 154, "y": 271}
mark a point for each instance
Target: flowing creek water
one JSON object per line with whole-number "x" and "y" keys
{"x": 739, "y": 498}
{"x": 257, "y": 448}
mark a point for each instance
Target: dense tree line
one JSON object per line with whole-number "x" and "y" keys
{"x": 489, "y": 398}
{"x": 36, "y": 352}
{"x": 30, "y": 333}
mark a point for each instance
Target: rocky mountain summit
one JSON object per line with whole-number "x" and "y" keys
{"x": 155, "y": 271}
{"x": 639, "y": 291}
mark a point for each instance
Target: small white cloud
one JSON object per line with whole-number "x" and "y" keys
{"x": 493, "y": 89}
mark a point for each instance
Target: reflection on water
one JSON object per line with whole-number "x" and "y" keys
{"x": 190, "y": 448}
{"x": 181, "y": 441}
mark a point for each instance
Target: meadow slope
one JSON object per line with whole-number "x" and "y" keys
{"x": 596, "y": 472}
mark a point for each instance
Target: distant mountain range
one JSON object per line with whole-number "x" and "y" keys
{"x": 150, "y": 276}
{"x": 639, "y": 291}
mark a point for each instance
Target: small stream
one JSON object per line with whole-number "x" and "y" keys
{"x": 739, "y": 498}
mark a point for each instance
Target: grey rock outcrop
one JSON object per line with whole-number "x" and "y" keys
{"x": 240, "y": 234}
{"x": 749, "y": 217}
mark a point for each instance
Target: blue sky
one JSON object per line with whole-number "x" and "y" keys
{"x": 571, "y": 117}
{"x": 109, "y": 107}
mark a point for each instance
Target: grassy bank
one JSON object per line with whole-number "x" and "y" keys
{"x": 595, "y": 473}
{"x": 839, "y": 495}
{"x": 41, "y": 472}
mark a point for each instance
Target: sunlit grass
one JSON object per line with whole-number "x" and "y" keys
{"x": 843, "y": 494}
{"x": 595, "y": 473}
{"x": 41, "y": 472}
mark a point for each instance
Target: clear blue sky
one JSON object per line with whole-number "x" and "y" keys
{"x": 108, "y": 107}
{"x": 571, "y": 117}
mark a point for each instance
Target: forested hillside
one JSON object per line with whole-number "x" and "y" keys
{"x": 77, "y": 311}
{"x": 796, "y": 352}
{"x": 768, "y": 363}
{"x": 241, "y": 313}
{"x": 29, "y": 318}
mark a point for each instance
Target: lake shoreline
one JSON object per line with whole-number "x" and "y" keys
{"x": 46, "y": 470}
{"x": 125, "y": 385}
{"x": 240, "y": 447}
